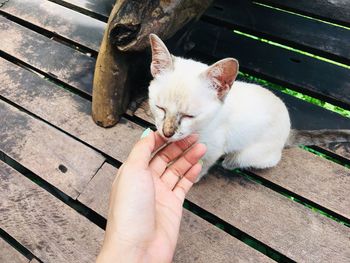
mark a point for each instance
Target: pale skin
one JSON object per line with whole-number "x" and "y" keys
{"x": 146, "y": 200}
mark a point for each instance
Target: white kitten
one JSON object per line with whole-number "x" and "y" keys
{"x": 245, "y": 122}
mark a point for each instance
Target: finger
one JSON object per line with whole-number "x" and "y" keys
{"x": 160, "y": 141}
{"x": 179, "y": 168}
{"x": 186, "y": 182}
{"x": 161, "y": 160}
{"x": 141, "y": 153}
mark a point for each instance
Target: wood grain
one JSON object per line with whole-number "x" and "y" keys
{"x": 275, "y": 220}
{"x": 199, "y": 241}
{"x": 54, "y": 59}
{"x": 322, "y": 182}
{"x": 57, "y": 158}
{"x": 96, "y": 194}
{"x": 337, "y": 11}
{"x": 9, "y": 253}
{"x": 48, "y": 228}
{"x": 102, "y": 7}
{"x": 60, "y": 20}
{"x": 65, "y": 110}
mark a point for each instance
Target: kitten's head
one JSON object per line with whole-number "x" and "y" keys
{"x": 184, "y": 94}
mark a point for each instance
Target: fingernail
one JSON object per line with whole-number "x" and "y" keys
{"x": 200, "y": 162}
{"x": 145, "y": 133}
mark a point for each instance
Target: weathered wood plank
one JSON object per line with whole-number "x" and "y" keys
{"x": 48, "y": 228}
{"x": 102, "y": 7}
{"x": 280, "y": 223}
{"x": 199, "y": 241}
{"x": 55, "y": 18}
{"x": 311, "y": 35}
{"x": 303, "y": 173}
{"x": 309, "y": 75}
{"x": 337, "y": 11}
{"x": 65, "y": 110}
{"x": 49, "y": 56}
{"x": 10, "y": 254}
{"x": 96, "y": 194}
{"x": 54, "y": 156}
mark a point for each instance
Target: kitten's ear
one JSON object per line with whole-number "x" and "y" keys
{"x": 222, "y": 74}
{"x": 161, "y": 58}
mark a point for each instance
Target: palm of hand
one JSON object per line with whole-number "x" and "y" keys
{"x": 154, "y": 192}
{"x": 170, "y": 192}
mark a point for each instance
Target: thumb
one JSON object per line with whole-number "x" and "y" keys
{"x": 141, "y": 153}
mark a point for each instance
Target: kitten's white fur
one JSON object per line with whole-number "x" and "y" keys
{"x": 249, "y": 125}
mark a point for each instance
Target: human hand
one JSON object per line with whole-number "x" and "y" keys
{"x": 146, "y": 201}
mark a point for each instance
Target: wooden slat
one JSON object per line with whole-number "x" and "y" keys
{"x": 337, "y": 11}
{"x": 96, "y": 194}
{"x": 54, "y": 156}
{"x": 306, "y": 74}
{"x": 48, "y": 228}
{"x": 49, "y": 56}
{"x": 10, "y": 254}
{"x": 102, "y": 7}
{"x": 321, "y": 38}
{"x": 55, "y": 18}
{"x": 303, "y": 173}
{"x": 65, "y": 110}
{"x": 280, "y": 223}
{"x": 199, "y": 241}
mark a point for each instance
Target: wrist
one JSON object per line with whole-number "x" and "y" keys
{"x": 122, "y": 254}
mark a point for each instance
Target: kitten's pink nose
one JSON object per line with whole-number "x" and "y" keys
{"x": 168, "y": 133}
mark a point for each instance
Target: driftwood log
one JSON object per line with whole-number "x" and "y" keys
{"x": 128, "y": 28}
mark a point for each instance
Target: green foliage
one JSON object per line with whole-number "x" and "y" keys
{"x": 299, "y": 95}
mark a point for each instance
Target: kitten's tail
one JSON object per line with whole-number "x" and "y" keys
{"x": 316, "y": 137}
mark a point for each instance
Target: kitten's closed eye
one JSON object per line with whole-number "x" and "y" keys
{"x": 187, "y": 116}
{"x": 161, "y": 108}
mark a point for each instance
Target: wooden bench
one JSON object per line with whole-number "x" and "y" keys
{"x": 57, "y": 166}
